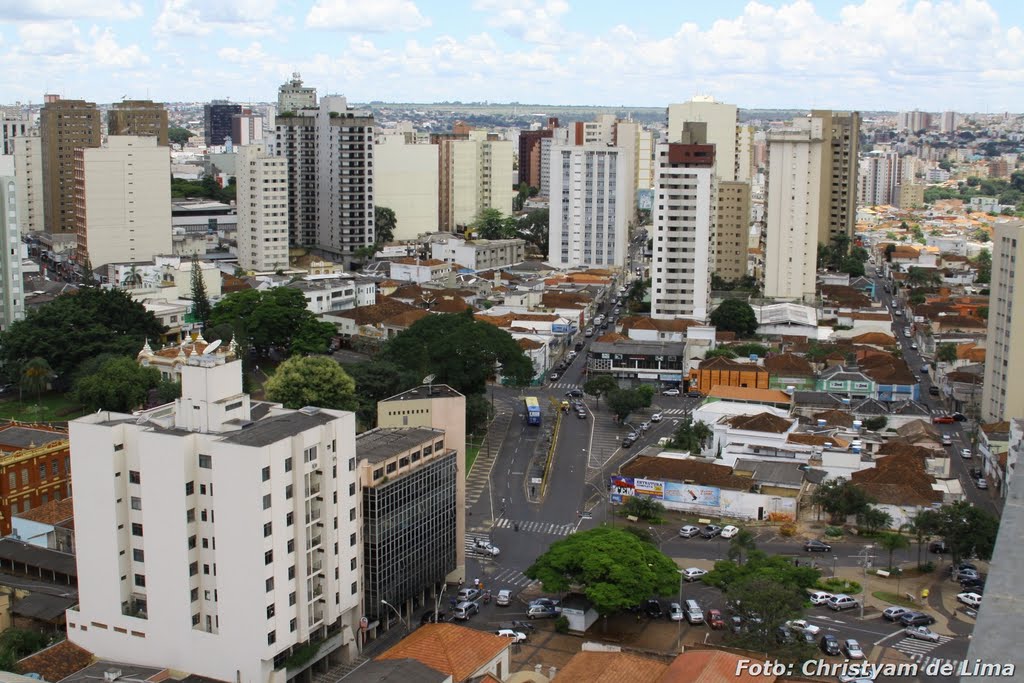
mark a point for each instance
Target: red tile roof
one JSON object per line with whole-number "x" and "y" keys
{"x": 612, "y": 667}
{"x": 53, "y": 512}
{"x": 712, "y": 666}
{"x": 454, "y": 650}
{"x": 55, "y": 662}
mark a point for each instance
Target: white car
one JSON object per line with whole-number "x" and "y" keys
{"x": 852, "y": 649}
{"x": 486, "y": 548}
{"x": 803, "y": 626}
{"x": 514, "y": 636}
{"x": 670, "y": 392}
{"x": 675, "y": 612}
{"x": 922, "y": 633}
{"x": 820, "y": 598}
{"x": 656, "y": 417}
{"x": 693, "y": 573}
{"x": 965, "y": 453}
{"x": 504, "y": 597}
{"x": 969, "y": 599}
{"x": 729, "y": 531}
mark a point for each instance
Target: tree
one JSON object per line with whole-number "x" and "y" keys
{"x": 200, "y": 300}
{"x": 922, "y": 525}
{"x": 77, "y": 326}
{"x": 690, "y": 436}
{"x": 776, "y": 568}
{"x": 764, "y": 605}
{"x": 385, "y": 223}
{"x": 36, "y": 376}
{"x": 967, "y": 530}
{"x": 459, "y": 351}
{"x": 853, "y": 266}
{"x": 623, "y": 402}
{"x": 376, "y": 380}
{"x": 840, "y": 498}
{"x": 534, "y": 227}
{"x": 873, "y": 424}
{"x": 923, "y": 277}
{"x": 602, "y": 385}
{"x": 945, "y": 352}
{"x": 491, "y": 225}
{"x": 743, "y": 543}
{"x": 312, "y": 381}
{"x": 612, "y": 567}
{"x": 179, "y": 135}
{"x": 720, "y": 352}
{"x": 133, "y": 278}
{"x": 277, "y": 318}
{"x": 983, "y": 263}
{"x": 119, "y": 385}
{"x": 892, "y": 542}
{"x": 750, "y": 349}
{"x": 736, "y": 316}
{"x": 636, "y": 293}
{"x": 873, "y": 519}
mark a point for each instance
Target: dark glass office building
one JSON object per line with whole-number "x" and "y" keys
{"x": 217, "y": 120}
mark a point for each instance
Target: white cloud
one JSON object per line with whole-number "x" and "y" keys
{"x": 106, "y": 52}
{"x": 44, "y": 10}
{"x": 251, "y": 55}
{"x": 372, "y": 16}
{"x": 49, "y": 39}
{"x": 528, "y": 20}
{"x": 202, "y": 18}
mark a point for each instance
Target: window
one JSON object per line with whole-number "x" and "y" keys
{"x": 42, "y": 471}
{"x": 140, "y": 580}
{"x": 309, "y": 455}
{"x": 266, "y": 501}
{"x": 195, "y": 620}
{"x": 291, "y": 545}
{"x": 206, "y": 569}
{"x": 291, "y": 572}
{"x": 352, "y": 539}
{"x": 291, "y": 598}
{"x": 205, "y": 461}
{"x": 12, "y": 479}
{"x": 133, "y": 477}
{"x": 136, "y": 529}
{"x": 288, "y": 492}
{"x": 190, "y": 488}
{"x": 289, "y": 519}
{"x": 54, "y": 468}
{"x": 202, "y": 514}
{"x": 138, "y": 555}
{"x": 352, "y": 563}
{"x": 194, "y": 594}
{"x": 287, "y": 464}
{"x": 193, "y": 568}
{"x": 192, "y": 542}
{"x": 351, "y": 464}
{"x": 352, "y": 489}
{"x": 293, "y": 624}
{"x": 270, "y": 584}
{"x": 271, "y": 637}
{"x": 355, "y": 587}
{"x": 270, "y": 611}
{"x": 352, "y": 514}
{"x": 266, "y": 473}
{"x": 136, "y": 503}
{"x": 267, "y": 529}
{"x": 268, "y": 557}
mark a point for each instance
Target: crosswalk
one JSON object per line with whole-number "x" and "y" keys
{"x": 536, "y": 527}
{"x": 472, "y": 550}
{"x": 565, "y": 385}
{"x": 507, "y": 578}
{"x": 919, "y": 649}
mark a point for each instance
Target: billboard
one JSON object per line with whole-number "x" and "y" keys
{"x": 669, "y": 492}
{"x": 645, "y": 199}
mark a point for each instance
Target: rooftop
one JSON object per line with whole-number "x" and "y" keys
{"x": 383, "y": 442}
{"x": 57, "y": 662}
{"x": 612, "y": 667}
{"x": 693, "y": 470}
{"x": 749, "y": 394}
{"x": 273, "y": 429}
{"x": 16, "y": 437}
{"x": 54, "y": 512}
{"x": 425, "y": 391}
{"x": 762, "y": 422}
{"x": 396, "y": 671}
{"x": 454, "y": 650}
{"x": 97, "y": 671}
{"x": 34, "y": 556}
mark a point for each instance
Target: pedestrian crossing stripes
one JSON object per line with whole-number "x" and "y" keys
{"x": 536, "y": 527}
{"x": 509, "y": 577}
{"x": 565, "y": 385}
{"x": 675, "y": 411}
{"x": 917, "y": 649}
{"x": 471, "y": 541}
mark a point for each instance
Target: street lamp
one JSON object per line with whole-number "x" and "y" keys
{"x": 679, "y": 628}
{"x": 437, "y": 602}
{"x": 397, "y": 614}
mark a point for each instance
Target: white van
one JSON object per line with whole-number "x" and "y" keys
{"x": 694, "y": 614}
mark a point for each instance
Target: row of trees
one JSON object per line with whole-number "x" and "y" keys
{"x": 839, "y": 257}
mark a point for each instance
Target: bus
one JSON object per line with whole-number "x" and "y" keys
{"x": 532, "y": 410}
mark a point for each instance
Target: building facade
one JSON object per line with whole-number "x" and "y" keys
{"x": 246, "y": 128}
{"x": 722, "y": 129}
{"x": 1002, "y": 399}
{"x": 217, "y": 121}
{"x": 28, "y": 176}
{"x": 479, "y": 254}
{"x": 841, "y": 145}
{"x": 13, "y": 294}
{"x": 684, "y": 213}
{"x": 406, "y": 181}
{"x": 881, "y": 175}
{"x": 123, "y": 201}
{"x": 474, "y": 174}
{"x": 14, "y": 123}
{"x": 262, "y": 199}
{"x": 65, "y": 126}
{"x": 732, "y": 230}
{"x": 35, "y": 468}
{"x": 138, "y": 117}
{"x": 293, "y": 96}
{"x": 177, "y": 511}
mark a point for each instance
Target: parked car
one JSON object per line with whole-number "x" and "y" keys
{"x": 433, "y": 617}
{"x": 729, "y": 531}
{"x": 689, "y": 531}
{"x": 925, "y": 368}
{"x": 504, "y": 598}
{"x": 653, "y": 609}
{"x": 820, "y": 598}
{"x": 973, "y": 586}
{"x": 736, "y": 624}
{"x": 938, "y": 547}
{"x": 933, "y": 390}
{"x": 959, "y": 417}
{"x": 656, "y": 417}
{"x": 468, "y": 594}
{"x": 710, "y": 531}
{"x": 574, "y": 393}
{"x": 715, "y": 620}
{"x": 969, "y": 599}
{"x": 852, "y": 649}
{"x": 803, "y": 626}
{"x": 589, "y": 332}
{"x": 841, "y": 602}
{"x": 977, "y": 473}
{"x": 783, "y": 636}
{"x": 965, "y": 453}
{"x": 693, "y": 393}
{"x": 816, "y": 546}
{"x": 830, "y": 645}
{"x": 553, "y": 377}
{"x": 894, "y": 613}
{"x": 514, "y": 636}
{"x": 670, "y": 392}
{"x": 628, "y": 441}
{"x": 967, "y": 575}
{"x": 464, "y": 610}
{"x": 922, "y": 633}
{"x": 982, "y": 484}
{"x": 917, "y": 619}
{"x": 544, "y": 602}
{"x": 645, "y": 426}
{"x": 693, "y": 573}
{"x": 541, "y": 612}
{"x": 675, "y": 612}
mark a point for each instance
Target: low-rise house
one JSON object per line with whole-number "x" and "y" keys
{"x": 993, "y": 447}
{"x": 787, "y": 370}
{"x": 761, "y": 397}
{"x": 636, "y": 361}
{"x": 461, "y": 653}
{"x": 721, "y": 371}
{"x": 51, "y": 525}
{"x": 420, "y": 270}
{"x": 847, "y": 380}
{"x": 901, "y": 486}
{"x": 479, "y": 254}
{"x": 790, "y": 319}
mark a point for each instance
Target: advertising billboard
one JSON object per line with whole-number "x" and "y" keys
{"x": 669, "y": 492}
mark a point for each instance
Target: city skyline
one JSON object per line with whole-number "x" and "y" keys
{"x": 871, "y": 55}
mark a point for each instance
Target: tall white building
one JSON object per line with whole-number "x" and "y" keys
{"x": 881, "y": 174}
{"x": 14, "y": 123}
{"x": 685, "y": 193}
{"x": 123, "y": 200}
{"x": 262, "y": 201}
{"x": 293, "y": 96}
{"x": 28, "y": 173}
{"x": 794, "y": 203}
{"x": 947, "y": 122}
{"x": 216, "y": 536}
{"x": 13, "y": 290}
{"x": 591, "y": 191}
{"x": 1002, "y": 398}
{"x": 330, "y": 163}
{"x": 406, "y": 181}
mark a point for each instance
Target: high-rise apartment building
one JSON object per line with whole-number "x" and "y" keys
{"x": 123, "y": 201}
{"x": 530, "y": 158}
{"x": 723, "y": 131}
{"x": 606, "y": 129}
{"x": 262, "y": 200}
{"x": 684, "y": 213}
{"x": 911, "y": 196}
{"x": 28, "y": 174}
{"x": 880, "y": 177}
{"x": 217, "y": 121}
{"x": 732, "y": 230}
{"x": 947, "y": 122}
{"x": 293, "y": 96}
{"x": 14, "y": 123}
{"x": 65, "y": 126}
{"x": 474, "y": 173}
{"x": 1002, "y": 398}
{"x": 330, "y": 175}
{"x": 176, "y": 510}
{"x": 246, "y": 128}
{"x": 138, "y": 117}
{"x": 12, "y": 297}
{"x": 592, "y": 188}
{"x": 914, "y": 120}
{"x": 405, "y": 179}
{"x": 838, "y": 176}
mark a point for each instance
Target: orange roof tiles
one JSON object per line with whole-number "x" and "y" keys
{"x": 56, "y": 662}
{"x": 612, "y": 667}
{"x": 875, "y": 338}
{"x": 762, "y": 422}
{"x": 53, "y": 512}
{"x": 454, "y": 650}
{"x": 729, "y": 393}
{"x": 711, "y": 666}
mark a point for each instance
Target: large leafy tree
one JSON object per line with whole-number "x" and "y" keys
{"x": 491, "y": 225}
{"x": 923, "y": 525}
{"x": 967, "y": 530}
{"x": 946, "y": 352}
{"x": 385, "y": 223}
{"x": 459, "y": 351}
{"x": 741, "y": 545}
{"x": 873, "y": 519}
{"x": 736, "y": 316}
{"x": 534, "y": 226}
{"x": 690, "y": 436}
{"x": 613, "y": 567}
{"x": 312, "y": 381}
{"x": 277, "y": 318}
{"x": 840, "y": 498}
{"x": 36, "y": 376}
{"x": 602, "y": 385}
{"x": 376, "y": 380}
{"x": 776, "y": 568}
{"x": 765, "y": 605}
{"x": 923, "y": 277}
{"x": 623, "y": 402}
{"x": 119, "y": 384}
{"x": 75, "y": 327}
{"x": 892, "y": 542}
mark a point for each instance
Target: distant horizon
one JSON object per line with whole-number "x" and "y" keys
{"x": 863, "y": 55}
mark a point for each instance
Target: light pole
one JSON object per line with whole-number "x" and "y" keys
{"x": 679, "y": 627}
{"x": 437, "y": 602}
{"x": 397, "y": 614}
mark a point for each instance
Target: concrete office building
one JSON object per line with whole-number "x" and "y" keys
{"x": 262, "y": 201}
{"x": 14, "y": 123}
{"x": 746, "y": 167}
{"x": 176, "y": 510}
{"x": 408, "y": 482}
{"x": 732, "y": 230}
{"x": 217, "y": 121}
{"x": 1002, "y": 397}
{"x": 474, "y": 174}
{"x": 685, "y": 195}
{"x": 438, "y": 407}
{"x": 880, "y": 177}
{"x": 914, "y": 120}
{"x": 293, "y": 96}
{"x": 246, "y": 128}
{"x": 948, "y": 121}
{"x": 592, "y": 189}
{"x": 406, "y": 181}
{"x": 330, "y": 175}
{"x": 138, "y": 117}
{"x": 28, "y": 174}
{"x": 64, "y": 126}
{"x": 13, "y": 291}
{"x": 123, "y": 201}
{"x": 911, "y": 196}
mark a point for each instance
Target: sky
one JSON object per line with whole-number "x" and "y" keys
{"x": 960, "y": 55}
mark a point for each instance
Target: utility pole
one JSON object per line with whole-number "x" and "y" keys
{"x": 865, "y": 558}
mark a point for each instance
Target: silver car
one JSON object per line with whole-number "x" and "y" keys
{"x": 689, "y": 531}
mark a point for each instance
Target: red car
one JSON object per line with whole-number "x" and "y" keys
{"x": 715, "y": 619}
{"x": 943, "y": 420}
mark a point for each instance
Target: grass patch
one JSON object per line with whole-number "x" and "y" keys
{"x": 51, "y": 407}
{"x": 894, "y": 599}
{"x": 472, "y": 450}
{"x": 837, "y": 585}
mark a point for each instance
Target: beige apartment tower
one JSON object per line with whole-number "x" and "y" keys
{"x": 28, "y": 176}
{"x": 474, "y": 174}
{"x": 122, "y": 201}
{"x": 732, "y": 228}
{"x": 262, "y": 189}
{"x": 1002, "y": 396}
{"x": 840, "y": 138}
{"x": 65, "y": 126}
{"x": 138, "y": 117}
{"x": 406, "y": 181}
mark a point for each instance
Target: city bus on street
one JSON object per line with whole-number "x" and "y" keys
{"x": 532, "y": 410}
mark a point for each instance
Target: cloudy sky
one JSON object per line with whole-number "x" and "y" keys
{"x": 963, "y": 55}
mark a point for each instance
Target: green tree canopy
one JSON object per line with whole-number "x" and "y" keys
{"x": 690, "y": 436}
{"x": 765, "y": 605}
{"x": 534, "y": 227}
{"x": 612, "y": 567}
{"x": 741, "y": 545}
{"x": 775, "y": 568}
{"x": 945, "y": 352}
{"x": 376, "y": 380}
{"x": 179, "y": 135}
{"x": 923, "y": 525}
{"x": 385, "y": 224}
{"x": 120, "y": 385}
{"x": 923, "y": 277}
{"x": 77, "y": 326}
{"x": 624, "y": 402}
{"x": 734, "y": 315}
{"x": 312, "y": 381}
{"x": 983, "y": 262}
{"x": 275, "y": 318}
{"x": 892, "y": 542}
{"x": 490, "y": 224}
{"x": 200, "y": 300}
{"x": 601, "y": 385}
{"x": 36, "y": 376}
{"x": 873, "y": 518}
{"x": 840, "y": 498}
{"x": 967, "y": 530}
{"x": 459, "y": 351}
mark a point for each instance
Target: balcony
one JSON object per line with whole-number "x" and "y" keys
{"x": 313, "y": 542}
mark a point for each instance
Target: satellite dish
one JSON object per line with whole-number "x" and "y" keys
{"x": 428, "y": 379}
{"x": 211, "y": 347}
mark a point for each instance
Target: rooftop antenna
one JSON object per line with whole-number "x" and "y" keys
{"x": 428, "y": 381}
